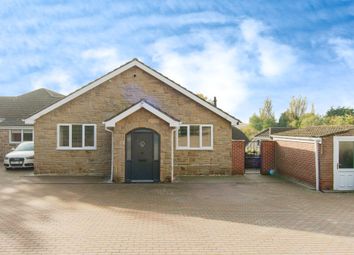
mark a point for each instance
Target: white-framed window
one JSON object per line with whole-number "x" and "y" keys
{"x": 194, "y": 137}
{"x": 20, "y": 135}
{"x": 76, "y": 137}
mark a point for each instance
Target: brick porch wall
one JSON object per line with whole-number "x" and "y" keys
{"x": 238, "y": 157}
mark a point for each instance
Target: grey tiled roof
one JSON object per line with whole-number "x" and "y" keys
{"x": 14, "y": 109}
{"x": 317, "y": 131}
{"x": 271, "y": 131}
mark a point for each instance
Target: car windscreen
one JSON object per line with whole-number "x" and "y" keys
{"x": 25, "y": 147}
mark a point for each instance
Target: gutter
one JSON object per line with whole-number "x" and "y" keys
{"x": 112, "y": 155}
{"x": 315, "y": 140}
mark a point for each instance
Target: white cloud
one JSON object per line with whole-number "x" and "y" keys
{"x": 344, "y": 49}
{"x": 274, "y": 58}
{"x": 217, "y": 67}
{"x": 102, "y": 60}
{"x": 56, "y": 79}
{"x": 211, "y": 70}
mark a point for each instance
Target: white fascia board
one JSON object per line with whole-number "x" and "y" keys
{"x": 121, "y": 69}
{"x": 296, "y": 139}
{"x": 153, "y": 110}
{"x": 16, "y": 127}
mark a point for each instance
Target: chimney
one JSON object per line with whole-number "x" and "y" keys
{"x": 215, "y": 101}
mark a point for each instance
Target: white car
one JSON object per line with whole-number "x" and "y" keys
{"x": 21, "y": 157}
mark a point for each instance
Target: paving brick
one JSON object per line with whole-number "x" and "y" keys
{"x": 250, "y": 214}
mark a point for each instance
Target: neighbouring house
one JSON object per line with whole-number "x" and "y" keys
{"x": 134, "y": 125}
{"x": 13, "y": 109}
{"x": 321, "y": 156}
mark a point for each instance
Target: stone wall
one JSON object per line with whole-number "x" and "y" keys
{"x": 5, "y": 146}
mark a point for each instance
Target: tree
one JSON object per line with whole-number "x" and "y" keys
{"x": 265, "y": 119}
{"x": 339, "y": 120}
{"x": 202, "y": 96}
{"x": 293, "y": 115}
{"x": 340, "y": 111}
{"x": 310, "y": 119}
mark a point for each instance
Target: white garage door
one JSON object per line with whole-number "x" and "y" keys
{"x": 343, "y": 162}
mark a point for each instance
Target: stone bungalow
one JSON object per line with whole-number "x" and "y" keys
{"x": 134, "y": 125}
{"x": 13, "y": 109}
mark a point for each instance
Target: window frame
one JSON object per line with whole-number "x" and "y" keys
{"x": 83, "y": 147}
{"x": 201, "y": 147}
{"x": 22, "y": 131}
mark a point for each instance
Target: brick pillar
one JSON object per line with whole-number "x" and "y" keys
{"x": 268, "y": 156}
{"x": 238, "y": 157}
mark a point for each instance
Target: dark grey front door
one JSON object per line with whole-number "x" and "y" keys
{"x": 141, "y": 163}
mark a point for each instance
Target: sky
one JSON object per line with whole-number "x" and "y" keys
{"x": 242, "y": 52}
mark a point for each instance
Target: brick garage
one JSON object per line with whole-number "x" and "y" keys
{"x": 295, "y": 155}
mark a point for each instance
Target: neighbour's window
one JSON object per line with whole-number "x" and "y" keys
{"x": 21, "y": 135}
{"x": 77, "y": 136}
{"x": 194, "y": 137}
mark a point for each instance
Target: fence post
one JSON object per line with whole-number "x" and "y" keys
{"x": 238, "y": 157}
{"x": 268, "y": 156}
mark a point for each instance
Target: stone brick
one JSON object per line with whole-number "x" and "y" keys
{"x": 5, "y": 146}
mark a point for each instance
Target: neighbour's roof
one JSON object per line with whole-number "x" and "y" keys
{"x": 316, "y": 131}
{"x": 13, "y": 109}
{"x": 270, "y": 131}
{"x": 237, "y": 134}
{"x": 134, "y": 63}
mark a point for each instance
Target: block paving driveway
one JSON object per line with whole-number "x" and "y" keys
{"x": 213, "y": 215}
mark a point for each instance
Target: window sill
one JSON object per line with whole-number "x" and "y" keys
{"x": 193, "y": 149}
{"x": 75, "y": 149}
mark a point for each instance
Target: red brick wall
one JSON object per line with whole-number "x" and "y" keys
{"x": 268, "y": 156}
{"x": 238, "y": 157}
{"x": 296, "y": 160}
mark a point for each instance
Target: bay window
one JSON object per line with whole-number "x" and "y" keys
{"x": 76, "y": 136}
{"x": 194, "y": 137}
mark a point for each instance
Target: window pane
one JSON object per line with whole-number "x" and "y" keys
{"x": 89, "y": 136}
{"x": 64, "y": 136}
{"x": 16, "y": 136}
{"x": 27, "y": 135}
{"x": 346, "y": 154}
{"x": 194, "y": 136}
{"x": 206, "y": 136}
{"x": 129, "y": 147}
{"x": 76, "y": 140}
{"x": 182, "y": 137}
{"x": 156, "y": 147}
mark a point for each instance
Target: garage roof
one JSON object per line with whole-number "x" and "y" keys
{"x": 317, "y": 131}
